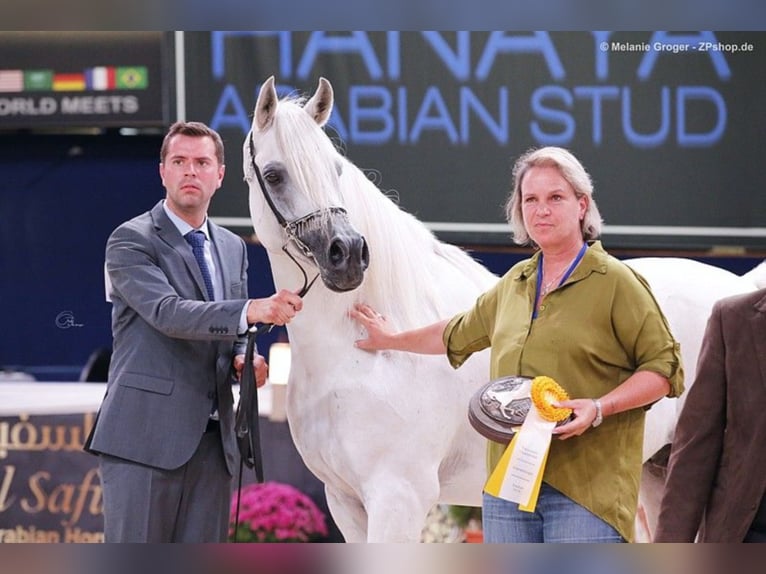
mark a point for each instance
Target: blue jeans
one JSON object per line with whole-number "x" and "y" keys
{"x": 556, "y": 518}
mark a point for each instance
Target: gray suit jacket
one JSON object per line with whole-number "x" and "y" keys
{"x": 171, "y": 350}
{"x": 717, "y": 469}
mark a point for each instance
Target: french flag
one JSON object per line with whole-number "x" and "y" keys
{"x": 100, "y": 78}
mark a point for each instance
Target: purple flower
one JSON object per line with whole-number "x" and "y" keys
{"x": 276, "y": 512}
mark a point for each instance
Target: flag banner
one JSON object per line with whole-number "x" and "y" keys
{"x": 61, "y": 80}
{"x": 101, "y": 78}
{"x": 519, "y": 473}
{"x": 38, "y": 80}
{"x": 68, "y": 82}
{"x": 11, "y": 80}
{"x": 132, "y": 78}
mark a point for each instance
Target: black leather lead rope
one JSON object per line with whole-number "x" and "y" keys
{"x": 246, "y": 426}
{"x": 246, "y": 423}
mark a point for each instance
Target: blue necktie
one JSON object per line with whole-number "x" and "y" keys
{"x": 196, "y": 239}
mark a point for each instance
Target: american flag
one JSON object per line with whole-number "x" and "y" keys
{"x": 11, "y": 81}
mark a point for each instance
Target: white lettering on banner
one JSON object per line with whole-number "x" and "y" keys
{"x": 101, "y": 105}
{"x": 69, "y": 105}
{"x": 28, "y": 106}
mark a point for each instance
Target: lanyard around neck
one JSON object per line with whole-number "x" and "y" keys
{"x": 566, "y": 275}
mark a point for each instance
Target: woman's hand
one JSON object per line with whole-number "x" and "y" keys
{"x": 424, "y": 340}
{"x": 583, "y": 415}
{"x": 378, "y": 333}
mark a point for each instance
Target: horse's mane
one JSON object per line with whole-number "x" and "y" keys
{"x": 410, "y": 269}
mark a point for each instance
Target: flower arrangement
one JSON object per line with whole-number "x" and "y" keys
{"x": 275, "y": 512}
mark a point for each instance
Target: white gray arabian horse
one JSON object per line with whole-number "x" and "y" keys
{"x": 387, "y": 433}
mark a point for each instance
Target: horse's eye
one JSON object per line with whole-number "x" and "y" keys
{"x": 272, "y": 177}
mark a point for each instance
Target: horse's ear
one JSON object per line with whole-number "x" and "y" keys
{"x": 266, "y": 106}
{"x": 319, "y": 106}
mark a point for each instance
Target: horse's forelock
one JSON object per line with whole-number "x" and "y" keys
{"x": 308, "y": 154}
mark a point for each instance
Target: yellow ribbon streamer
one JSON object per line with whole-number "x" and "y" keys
{"x": 518, "y": 475}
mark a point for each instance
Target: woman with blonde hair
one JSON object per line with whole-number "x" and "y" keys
{"x": 580, "y": 316}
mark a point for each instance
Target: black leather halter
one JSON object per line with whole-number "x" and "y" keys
{"x": 297, "y": 227}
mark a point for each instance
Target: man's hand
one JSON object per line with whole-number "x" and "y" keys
{"x": 260, "y": 366}
{"x": 278, "y": 309}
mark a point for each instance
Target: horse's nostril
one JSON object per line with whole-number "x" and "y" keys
{"x": 338, "y": 252}
{"x": 342, "y": 252}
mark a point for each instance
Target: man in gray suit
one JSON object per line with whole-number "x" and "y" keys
{"x": 716, "y": 480}
{"x": 165, "y": 430}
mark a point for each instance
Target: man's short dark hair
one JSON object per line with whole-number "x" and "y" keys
{"x": 192, "y": 129}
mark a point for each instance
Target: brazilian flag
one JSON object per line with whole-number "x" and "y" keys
{"x": 132, "y": 78}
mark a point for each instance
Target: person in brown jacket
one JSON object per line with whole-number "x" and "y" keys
{"x": 716, "y": 478}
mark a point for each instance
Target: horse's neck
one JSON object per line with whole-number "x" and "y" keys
{"x": 286, "y": 272}
{"x": 412, "y": 276}
{"x": 322, "y": 308}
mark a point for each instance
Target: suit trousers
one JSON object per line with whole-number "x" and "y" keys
{"x": 147, "y": 504}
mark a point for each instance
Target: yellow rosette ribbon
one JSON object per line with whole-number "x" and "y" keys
{"x": 544, "y": 392}
{"x": 519, "y": 473}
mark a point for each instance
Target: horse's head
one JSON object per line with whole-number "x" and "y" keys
{"x": 293, "y": 171}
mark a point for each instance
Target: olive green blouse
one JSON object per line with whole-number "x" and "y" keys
{"x": 590, "y": 335}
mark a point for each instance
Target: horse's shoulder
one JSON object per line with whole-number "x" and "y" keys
{"x": 757, "y": 275}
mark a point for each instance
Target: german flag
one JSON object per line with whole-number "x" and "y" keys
{"x": 69, "y": 82}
